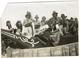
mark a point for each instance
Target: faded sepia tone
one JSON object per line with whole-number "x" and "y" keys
{"x": 40, "y": 29}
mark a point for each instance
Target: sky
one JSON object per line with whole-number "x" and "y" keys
{"x": 17, "y": 11}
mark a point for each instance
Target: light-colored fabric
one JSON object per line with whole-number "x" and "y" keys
{"x": 42, "y": 28}
{"x": 27, "y": 31}
{"x": 26, "y": 21}
{"x": 59, "y": 27}
{"x": 33, "y": 26}
{"x": 18, "y": 32}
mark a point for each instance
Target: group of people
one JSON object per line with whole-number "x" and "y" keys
{"x": 49, "y": 31}
{"x": 31, "y": 27}
{"x": 55, "y": 27}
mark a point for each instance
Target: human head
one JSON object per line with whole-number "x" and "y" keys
{"x": 28, "y": 15}
{"x": 19, "y": 25}
{"x": 43, "y": 19}
{"x": 63, "y": 16}
{"x": 71, "y": 19}
{"x": 8, "y": 24}
{"x": 54, "y": 14}
{"x": 36, "y": 17}
{"x": 76, "y": 19}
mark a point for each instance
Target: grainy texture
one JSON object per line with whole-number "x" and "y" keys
{"x": 63, "y": 50}
{"x": 43, "y": 52}
{"x": 56, "y": 51}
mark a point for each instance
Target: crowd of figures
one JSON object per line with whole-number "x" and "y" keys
{"x": 54, "y": 31}
{"x": 30, "y": 26}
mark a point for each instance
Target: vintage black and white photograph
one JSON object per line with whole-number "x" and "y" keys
{"x": 40, "y": 29}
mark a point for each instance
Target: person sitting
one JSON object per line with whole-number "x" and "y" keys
{"x": 43, "y": 21}
{"x": 54, "y": 28}
{"x": 19, "y": 27}
{"x": 53, "y": 20}
{"x": 6, "y": 41}
{"x": 9, "y": 27}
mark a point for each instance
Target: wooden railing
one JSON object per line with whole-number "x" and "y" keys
{"x": 63, "y": 50}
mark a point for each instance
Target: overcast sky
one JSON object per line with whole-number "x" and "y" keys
{"x": 17, "y": 11}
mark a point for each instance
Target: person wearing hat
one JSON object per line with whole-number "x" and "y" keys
{"x": 53, "y": 20}
{"x": 37, "y": 23}
{"x": 36, "y": 17}
{"x": 28, "y": 26}
{"x": 54, "y": 28}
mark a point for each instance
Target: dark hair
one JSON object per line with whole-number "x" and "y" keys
{"x": 43, "y": 18}
{"x": 9, "y": 26}
{"x": 19, "y": 26}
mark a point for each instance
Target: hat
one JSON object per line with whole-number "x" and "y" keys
{"x": 36, "y": 17}
{"x": 28, "y": 14}
{"x": 71, "y": 19}
{"x": 54, "y": 12}
{"x": 7, "y": 21}
{"x": 63, "y": 15}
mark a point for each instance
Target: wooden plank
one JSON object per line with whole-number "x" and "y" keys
{"x": 15, "y": 53}
{"x": 21, "y": 52}
{"x": 56, "y": 51}
{"x": 27, "y": 53}
{"x": 65, "y": 50}
{"x": 77, "y": 49}
{"x": 72, "y": 50}
{"x": 34, "y": 53}
{"x": 9, "y": 52}
{"x": 43, "y": 52}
